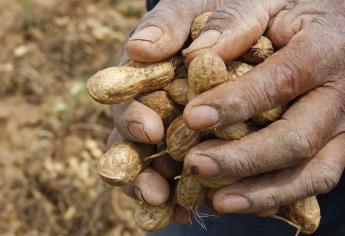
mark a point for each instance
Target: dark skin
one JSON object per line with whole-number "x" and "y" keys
{"x": 301, "y": 155}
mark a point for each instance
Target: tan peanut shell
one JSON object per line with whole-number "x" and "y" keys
{"x": 154, "y": 218}
{"x": 189, "y": 192}
{"x": 206, "y": 71}
{"x": 237, "y": 69}
{"x": 305, "y": 213}
{"x": 122, "y": 163}
{"x": 199, "y": 24}
{"x": 180, "y": 139}
{"x": 167, "y": 167}
{"x": 178, "y": 91}
{"x": 268, "y": 117}
{"x": 118, "y": 84}
{"x": 259, "y": 52}
{"x": 232, "y": 132}
{"x": 161, "y": 104}
{"x": 217, "y": 183}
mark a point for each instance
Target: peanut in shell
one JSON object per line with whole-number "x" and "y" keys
{"x": 154, "y": 218}
{"x": 118, "y": 84}
{"x": 160, "y": 102}
{"x": 180, "y": 139}
{"x": 122, "y": 163}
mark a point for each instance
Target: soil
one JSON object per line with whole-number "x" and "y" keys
{"x": 51, "y": 133}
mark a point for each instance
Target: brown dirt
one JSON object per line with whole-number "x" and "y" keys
{"x": 51, "y": 133}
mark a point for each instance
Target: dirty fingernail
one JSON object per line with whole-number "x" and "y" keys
{"x": 137, "y": 131}
{"x": 150, "y": 33}
{"x": 203, "y": 166}
{"x": 233, "y": 203}
{"x": 202, "y": 117}
{"x": 206, "y": 40}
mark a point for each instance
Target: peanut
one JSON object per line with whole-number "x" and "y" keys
{"x": 237, "y": 69}
{"x": 178, "y": 91}
{"x": 180, "y": 139}
{"x": 305, "y": 213}
{"x": 199, "y": 24}
{"x": 153, "y": 218}
{"x": 206, "y": 71}
{"x": 167, "y": 167}
{"x": 189, "y": 192}
{"x": 268, "y": 117}
{"x": 118, "y": 84}
{"x": 122, "y": 163}
{"x": 259, "y": 52}
{"x": 161, "y": 104}
{"x": 233, "y": 132}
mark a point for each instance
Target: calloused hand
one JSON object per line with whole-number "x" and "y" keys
{"x": 301, "y": 155}
{"x": 305, "y": 149}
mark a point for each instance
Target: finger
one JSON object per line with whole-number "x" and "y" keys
{"x": 303, "y": 130}
{"x": 149, "y": 187}
{"x": 182, "y": 215}
{"x": 138, "y": 122}
{"x": 288, "y": 73}
{"x": 234, "y": 27}
{"x": 319, "y": 175}
{"x": 157, "y": 37}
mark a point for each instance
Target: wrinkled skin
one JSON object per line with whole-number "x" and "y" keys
{"x": 300, "y": 155}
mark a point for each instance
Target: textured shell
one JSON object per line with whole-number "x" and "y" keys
{"x": 118, "y": 84}
{"x": 189, "y": 192}
{"x": 217, "y": 183}
{"x": 259, "y": 52}
{"x": 178, "y": 91}
{"x": 305, "y": 213}
{"x": 232, "y": 132}
{"x": 180, "y": 139}
{"x": 162, "y": 104}
{"x": 206, "y": 71}
{"x": 199, "y": 24}
{"x": 167, "y": 167}
{"x": 123, "y": 162}
{"x": 237, "y": 69}
{"x": 268, "y": 117}
{"x": 154, "y": 218}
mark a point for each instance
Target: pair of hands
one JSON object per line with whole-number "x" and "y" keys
{"x": 301, "y": 155}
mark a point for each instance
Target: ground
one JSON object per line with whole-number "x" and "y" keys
{"x": 51, "y": 133}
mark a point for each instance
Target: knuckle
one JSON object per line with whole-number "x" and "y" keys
{"x": 241, "y": 165}
{"x": 287, "y": 77}
{"x": 304, "y": 144}
{"x": 323, "y": 178}
{"x": 272, "y": 199}
{"x": 232, "y": 14}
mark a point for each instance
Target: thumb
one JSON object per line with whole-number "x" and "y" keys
{"x": 234, "y": 27}
{"x": 163, "y": 31}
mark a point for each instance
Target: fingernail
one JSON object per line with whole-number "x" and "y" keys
{"x": 233, "y": 204}
{"x": 150, "y": 33}
{"x": 138, "y": 194}
{"x": 204, "y": 166}
{"x": 206, "y": 40}
{"x": 137, "y": 131}
{"x": 202, "y": 117}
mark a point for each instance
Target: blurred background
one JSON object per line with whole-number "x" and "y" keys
{"x": 51, "y": 132}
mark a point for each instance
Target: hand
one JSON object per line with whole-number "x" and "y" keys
{"x": 304, "y": 151}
